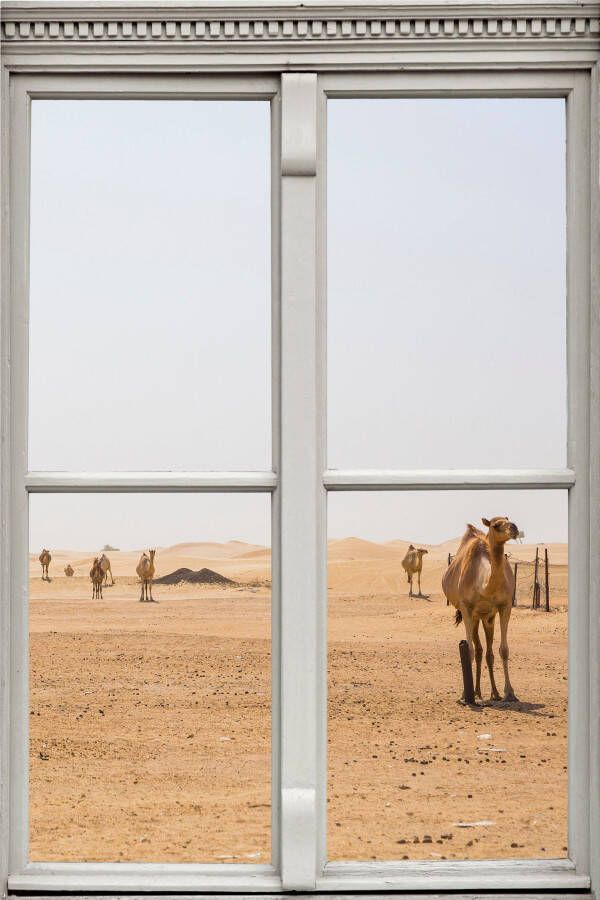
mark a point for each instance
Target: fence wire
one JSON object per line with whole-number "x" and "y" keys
{"x": 538, "y": 586}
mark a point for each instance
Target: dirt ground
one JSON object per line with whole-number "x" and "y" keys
{"x": 150, "y": 723}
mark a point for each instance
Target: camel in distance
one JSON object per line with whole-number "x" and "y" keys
{"x": 479, "y": 584}
{"x": 45, "y": 560}
{"x": 413, "y": 565}
{"x": 145, "y": 569}
{"x": 69, "y": 570}
{"x": 104, "y": 563}
{"x": 97, "y": 578}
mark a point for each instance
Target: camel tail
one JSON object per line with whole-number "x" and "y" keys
{"x": 457, "y": 617}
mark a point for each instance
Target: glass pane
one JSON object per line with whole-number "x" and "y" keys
{"x": 150, "y": 285}
{"x": 446, "y": 283}
{"x": 413, "y": 773}
{"x": 150, "y": 734}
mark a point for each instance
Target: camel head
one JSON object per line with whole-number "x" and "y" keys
{"x": 500, "y": 529}
{"x": 152, "y": 554}
{"x": 421, "y": 552}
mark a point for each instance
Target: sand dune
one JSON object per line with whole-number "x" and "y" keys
{"x": 211, "y": 550}
{"x": 262, "y": 553}
{"x": 358, "y": 548}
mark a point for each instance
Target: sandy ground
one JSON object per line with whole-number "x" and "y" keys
{"x": 150, "y": 723}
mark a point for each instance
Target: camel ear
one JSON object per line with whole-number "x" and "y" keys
{"x": 486, "y": 522}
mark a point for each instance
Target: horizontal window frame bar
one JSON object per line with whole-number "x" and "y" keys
{"x": 147, "y": 877}
{"x": 447, "y": 479}
{"x": 369, "y": 895}
{"x": 148, "y": 86}
{"x": 150, "y": 482}
{"x": 460, "y": 875}
{"x": 439, "y": 84}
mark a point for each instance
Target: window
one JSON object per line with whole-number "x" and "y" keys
{"x": 266, "y": 206}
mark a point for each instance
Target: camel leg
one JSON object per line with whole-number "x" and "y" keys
{"x": 509, "y": 694}
{"x": 112, "y": 580}
{"x": 142, "y": 591}
{"x": 488, "y": 627}
{"x": 478, "y": 657}
{"x": 419, "y": 580}
{"x": 410, "y": 578}
{"x": 150, "y": 586}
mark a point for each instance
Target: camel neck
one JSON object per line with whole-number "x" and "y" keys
{"x": 497, "y": 564}
{"x": 496, "y": 553}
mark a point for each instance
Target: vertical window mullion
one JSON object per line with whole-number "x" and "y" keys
{"x": 578, "y": 459}
{"x": 19, "y": 506}
{"x": 302, "y": 494}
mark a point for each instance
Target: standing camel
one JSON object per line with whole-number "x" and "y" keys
{"x": 97, "y": 577}
{"x": 145, "y": 569}
{"x": 104, "y": 562}
{"x": 479, "y": 583}
{"x": 69, "y": 570}
{"x": 413, "y": 565}
{"x": 45, "y": 559}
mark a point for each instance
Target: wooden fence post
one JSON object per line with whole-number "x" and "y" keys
{"x": 536, "y": 586}
{"x": 546, "y": 567}
{"x": 467, "y": 673}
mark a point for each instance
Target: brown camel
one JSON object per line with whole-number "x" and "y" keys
{"x": 413, "y": 565}
{"x": 69, "y": 570}
{"x": 479, "y": 583}
{"x": 145, "y": 569}
{"x": 45, "y": 559}
{"x": 97, "y": 577}
{"x": 105, "y": 566}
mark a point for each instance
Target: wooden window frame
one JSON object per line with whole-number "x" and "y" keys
{"x": 296, "y": 57}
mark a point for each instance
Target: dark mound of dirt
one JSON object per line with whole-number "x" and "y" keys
{"x": 188, "y": 576}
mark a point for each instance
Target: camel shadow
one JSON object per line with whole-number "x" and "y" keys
{"x": 419, "y": 596}
{"x": 514, "y": 706}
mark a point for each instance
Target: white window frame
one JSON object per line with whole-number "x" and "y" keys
{"x": 296, "y": 58}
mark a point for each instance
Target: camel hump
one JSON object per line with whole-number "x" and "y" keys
{"x": 471, "y": 532}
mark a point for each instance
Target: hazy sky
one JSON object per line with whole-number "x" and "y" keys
{"x": 150, "y": 309}
{"x": 446, "y": 283}
{"x": 150, "y": 285}
{"x": 138, "y": 521}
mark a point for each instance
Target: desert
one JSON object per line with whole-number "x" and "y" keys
{"x": 150, "y": 723}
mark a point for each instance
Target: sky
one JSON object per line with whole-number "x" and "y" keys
{"x": 140, "y": 521}
{"x": 150, "y": 309}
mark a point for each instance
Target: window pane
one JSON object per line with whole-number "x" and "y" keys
{"x": 150, "y": 735}
{"x": 150, "y": 285}
{"x": 414, "y": 774}
{"x": 446, "y": 283}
